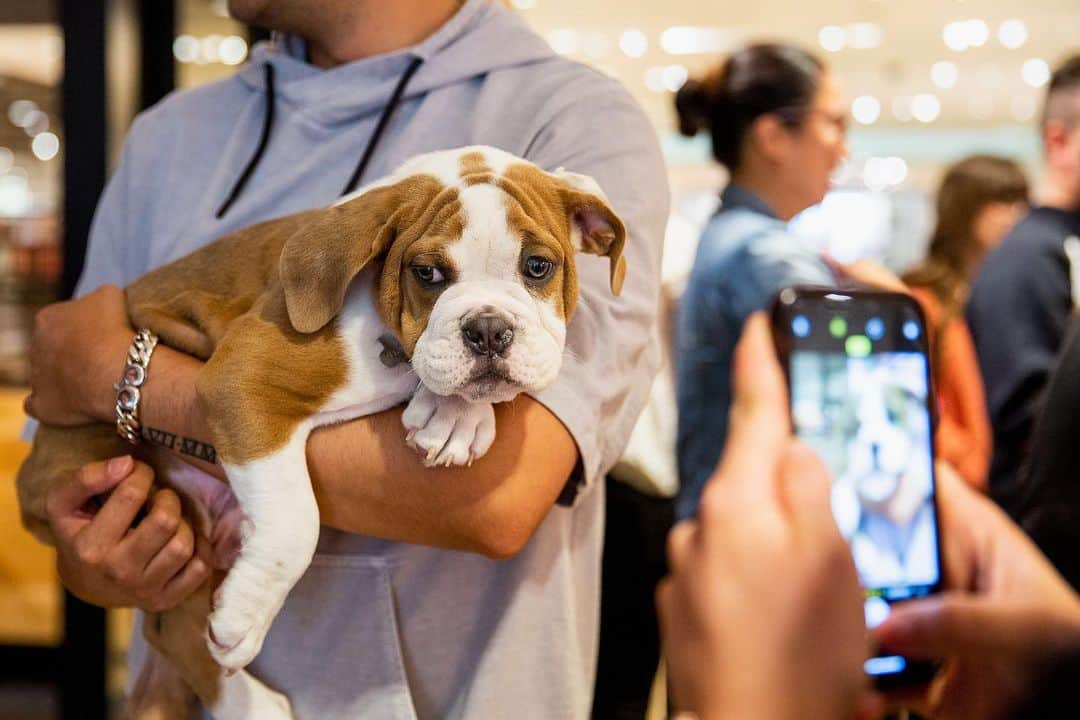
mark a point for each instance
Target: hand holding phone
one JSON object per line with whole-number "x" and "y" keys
{"x": 1005, "y": 617}
{"x": 861, "y": 397}
{"x": 761, "y": 614}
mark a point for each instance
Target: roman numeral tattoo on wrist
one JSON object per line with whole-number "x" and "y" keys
{"x": 186, "y": 446}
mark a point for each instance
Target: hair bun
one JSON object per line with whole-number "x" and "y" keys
{"x": 692, "y": 105}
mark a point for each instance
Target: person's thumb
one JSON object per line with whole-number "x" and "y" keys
{"x": 952, "y": 625}
{"x": 760, "y": 423}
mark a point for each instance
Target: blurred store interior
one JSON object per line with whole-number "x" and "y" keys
{"x": 928, "y": 81}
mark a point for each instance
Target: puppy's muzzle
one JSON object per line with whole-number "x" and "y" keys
{"x": 487, "y": 334}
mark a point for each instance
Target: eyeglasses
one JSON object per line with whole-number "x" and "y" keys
{"x": 797, "y": 113}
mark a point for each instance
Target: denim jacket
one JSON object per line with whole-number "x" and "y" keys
{"x": 745, "y": 256}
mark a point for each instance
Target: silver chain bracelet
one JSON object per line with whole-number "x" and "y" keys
{"x": 127, "y": 390}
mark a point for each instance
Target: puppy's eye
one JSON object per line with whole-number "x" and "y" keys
{"x": 538, "y": 268}
{"x": 428, "y": 274}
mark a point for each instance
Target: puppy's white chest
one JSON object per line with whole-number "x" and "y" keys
{"x": 370, "y": 385}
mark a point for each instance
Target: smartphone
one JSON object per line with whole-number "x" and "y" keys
{"x": 858, "y": 370}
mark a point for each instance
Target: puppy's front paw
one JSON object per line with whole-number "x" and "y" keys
{"x": 448, "y": 430}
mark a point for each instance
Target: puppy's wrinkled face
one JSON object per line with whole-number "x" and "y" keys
{"x": 481, "y": 292}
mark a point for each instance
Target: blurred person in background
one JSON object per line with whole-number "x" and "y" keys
{"x": 979, "y": 201}
{"x": 1048, "y": 507}
{"x": 639, "y": 513}
{"x": 1024, "y": 292}
{"x": 777, "y": 119}
{"x": 762, "y": 611}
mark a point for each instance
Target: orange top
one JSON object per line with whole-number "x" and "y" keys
{"x": 963, "y": 437}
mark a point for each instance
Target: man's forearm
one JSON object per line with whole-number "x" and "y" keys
{"x": 368, "y": 481}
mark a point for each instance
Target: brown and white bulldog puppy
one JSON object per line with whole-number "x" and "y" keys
{"x": 448, "y": 284}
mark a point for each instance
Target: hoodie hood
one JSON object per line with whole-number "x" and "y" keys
{"x": 497, "y": 38}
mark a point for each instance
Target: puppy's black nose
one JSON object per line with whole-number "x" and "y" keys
{"x": 487, "y": 335}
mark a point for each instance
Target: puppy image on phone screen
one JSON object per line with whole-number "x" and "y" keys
{"x": 888, "y": 475}
{"x": 867, "y": 417}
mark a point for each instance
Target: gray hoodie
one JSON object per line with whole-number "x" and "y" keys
{"x": 379, "y": 629}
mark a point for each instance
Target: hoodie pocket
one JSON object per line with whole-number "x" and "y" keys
{"x": 334, "y": 649}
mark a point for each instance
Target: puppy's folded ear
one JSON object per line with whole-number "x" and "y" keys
{"x": 594, "y": 226}
{"x": 320, "y": 260}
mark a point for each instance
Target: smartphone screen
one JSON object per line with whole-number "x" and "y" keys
{"x": 859, "y": 379}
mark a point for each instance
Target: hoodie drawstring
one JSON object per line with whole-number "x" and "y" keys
{"x": 384, "y": 120}
{"x": 268, "y": 121}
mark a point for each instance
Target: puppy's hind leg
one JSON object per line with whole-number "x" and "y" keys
{"x": 178, "y": 667}
{"x": 159, "y": 692}
{"x": 281, "y": 530}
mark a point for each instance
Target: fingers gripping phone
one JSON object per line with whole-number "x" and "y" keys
{"x": 861, "y": 397}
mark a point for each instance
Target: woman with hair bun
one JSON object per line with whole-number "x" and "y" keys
{"x": 777, "y": 119}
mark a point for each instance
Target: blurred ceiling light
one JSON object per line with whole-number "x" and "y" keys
{"x": 981, "y": 107}
{"x": 901, "y": 108}
{"x": 633, "y": 43}
{"x": 674, "y": 77}
{"x": 959, "y": 35}
{"x": 686, "y": 40}
{"x": 233, "y": 50}
{"x": 831, "y": 38}
{"x": 1035, "y": 72}
{"x": 15, "y": 196}
{"x": 925, "y": 107}
{"x": 875, "y": 174}
{"x": 564, "y": 41}
{"x": 863, "y": 35}
{"x": 955, "y": 36}
{"x": 7, "y": 159}
{"x": 18, "y": 111}
{"x": 1012, "y": 33}
{"x": 865, "y": 109}
{"x": 977, "y": 33}
{"x": 596, "y": 45}
{"x": 45, "y": 146}
{"x": 654, "y": 79}
{"x": 880, "y": 173}
{"x": 35, "y": 122}
{"x": 1023, "y": 107}
{"x": 185, "y": 48}
{"x": 944, "y": 74}
{"x": 210, "y": 48}
{"x": 523, "y": 4}
{"x": 895, "y": 170}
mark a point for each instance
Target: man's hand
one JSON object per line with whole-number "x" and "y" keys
{"x": 75, "y": 346}
{"x": 107, "y": 559}
{"x": 762, "y": 612}
{"x": 1006, "y": 612}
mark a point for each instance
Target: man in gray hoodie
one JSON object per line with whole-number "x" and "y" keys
{"x": 448, "y": 593}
